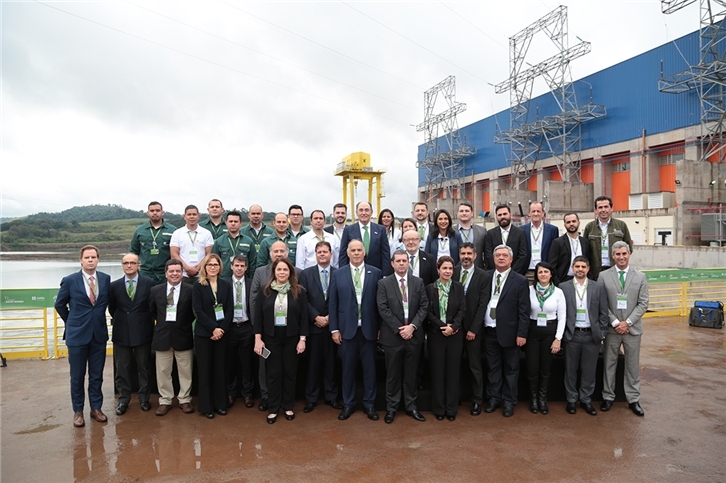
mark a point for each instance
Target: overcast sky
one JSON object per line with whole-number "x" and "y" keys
{"x": 257, "y": 102}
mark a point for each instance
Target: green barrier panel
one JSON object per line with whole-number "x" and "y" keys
{"x": 685, "y": 275}
{"x": 27, "y": 298}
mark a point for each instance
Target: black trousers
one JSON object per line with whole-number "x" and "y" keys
{"x": 539, "y": 350}
{"x": 321, "y": 365}
{"x": 211, "y": 361}
{"x": 240, "y": 360}
{"x": 401, "y": 373}
{"x": 473, "y": 350}
{"x": 445, "y": 363}
{"x": 281, "y": 367}
{"x": 123, "y": 355}
{"x": 503, "y": 371}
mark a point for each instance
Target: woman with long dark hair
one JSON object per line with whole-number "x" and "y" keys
{"x": 393, "y": 234}
{"x": 443, "y": 240}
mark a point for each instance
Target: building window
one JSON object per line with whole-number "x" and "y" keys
{"x": 621, "y": 167}
{"x": 670, "y": 158}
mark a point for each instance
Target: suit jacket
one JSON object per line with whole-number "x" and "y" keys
{"x": 479, "y": 234}
{"x": 512, "y": 309}
{"x": 549, "y": 233}
{"x": 390, "y": 308}
{"x": 343, "y": 303}
{"x": 133, "y": 322}
{"x": 455, "y": 309}
{"x": 617, "y": 231}
{"x": 317, "y": 300}
{"x": 248, "y": 291}
{"x": 560, "y": 255}
{"x": 203, "y": 303}
{"x": 297, "y": 313}
{"x": 636, "y": 288}
{"x": 427, "y": 267}
{"x": 517, "y": 241}
{"x": 432, "y": 247}
{"x": 378, "y": 255}
{"x": 261, "y": 278}
{"x": 83, "y": 320}
{"x": 597, "y": 309}
{"x": 172, "y": 335}
{"x": 475, "y": 296}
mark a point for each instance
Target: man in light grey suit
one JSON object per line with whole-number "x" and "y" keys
{"x": 627, "y": 292}
{"x": 585, "y": 329}
{"x": 469, "y": 232}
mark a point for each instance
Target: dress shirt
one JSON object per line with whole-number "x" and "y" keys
{"x": 535, "y": 235}
{"x": 555, "y": 307}
{"x": 469, "y": 274}
{"x": 359, "y": 297}
{"x": 320, "y": 273}
{"x": 621, "y": 291}
{"x": 305, "y": 254}
{"x": 581, "y": 303}
{"x": 87, "y": 280}
{"x": 242, "y": 302}
{"x": 414, "y": 265}
{"x": 466, "y": 235}
{"x": 505, "y": 235}
{"x": 444, "y": 246}
{"x": 136, "y": 283}
{"x": 605, "y": 249}
{"x": 488, "y": 321}
{"x": 177, "y": 289}
{"x": 575, "y": 251}
{"x": 425, "y": 236}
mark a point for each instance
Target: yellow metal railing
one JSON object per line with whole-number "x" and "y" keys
{"x": 59, "y": 346}
{"x": 24, "y": 333}
{"x": 676, "y": 299}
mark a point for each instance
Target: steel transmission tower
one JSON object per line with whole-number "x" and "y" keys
{"x": 444, "y": 159}
{"x": 557, "y": 135}
{"x": 708, "y": 78}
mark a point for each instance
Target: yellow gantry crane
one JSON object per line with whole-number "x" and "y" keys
{"x": 356, "y": 167}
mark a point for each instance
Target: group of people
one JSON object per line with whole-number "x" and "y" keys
{"x": 219, "y": 293}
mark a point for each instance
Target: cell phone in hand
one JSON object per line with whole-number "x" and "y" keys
{"x": 265, "y": 353}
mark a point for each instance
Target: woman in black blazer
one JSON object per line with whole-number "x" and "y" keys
{"x": 282, "y": 306}
{"x": 445, "y": 339}
{"x": 214, "y": 306}
{"x": 443, "y": 241}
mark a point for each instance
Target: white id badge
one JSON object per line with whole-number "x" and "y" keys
{"x": 171, "y": 313}
{"x": 280, "y": 319}
{"x": 193, "y": 256}
{"x": 405, "y": 310}
{"x": 219, "y": 312}
{"x": 622, "y": 302}
{"x": 580, "y": 316}
{"x": 238, "y": 313}
{"x": 493, "y": 307}
{"x": 541, "y": 320}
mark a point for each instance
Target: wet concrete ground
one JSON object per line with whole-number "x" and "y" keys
{"x": 680, "y": 439}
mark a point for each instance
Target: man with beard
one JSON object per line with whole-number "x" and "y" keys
{"x": 508, "y": 235}
{"x": 340, "y": 214}
{"x": 566, "y": 248}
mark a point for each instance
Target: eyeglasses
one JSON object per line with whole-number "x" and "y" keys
{"x": 212, "y": 265}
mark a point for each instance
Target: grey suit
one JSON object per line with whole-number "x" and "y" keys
{"x": 636, "y": 291}
{"x": 582, "y": 345}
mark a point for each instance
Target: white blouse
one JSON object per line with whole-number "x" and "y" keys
{"x": 554, "y": 308}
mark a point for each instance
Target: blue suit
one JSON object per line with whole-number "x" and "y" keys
{"x": 379, "y": 250}
{"x": 85, "y": 334}
{"x": 549, "y": 234}
{"x": 432, "y": 246}
{"x": 359, "y": 343}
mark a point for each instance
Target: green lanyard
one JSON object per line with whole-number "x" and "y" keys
{"x": 234, "y": 247}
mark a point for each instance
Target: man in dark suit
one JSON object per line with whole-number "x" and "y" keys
{"x": 508, "y": 235}
{"x": 402, "y": 305}
{"x": 420, "y": 263}
{"x": 539, "y": 236}
{"x": 587, "y": 325}
{"x": 373, "y": 236}
{"x": 506, "y": 324}
{"x": 566, "y": 248}
{"x": 468, "y": 232}
{"x": 133, "y": 328}
{"x": 240, "y": 336}
{"x": 424, "y": 227}
{"x": 81, "y": 303}
{"x": 321, "y": 350}
{"x": 171, "y": 305}
{"x": 627, "y": 292}
{"x": 354, "y": 325}
{"x": 474, "y": 280}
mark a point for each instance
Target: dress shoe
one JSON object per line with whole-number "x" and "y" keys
{"x": 162, "y": 409}
{"x": 309, "y": 407}
{"x": 249, "y": 402}
{"x": 221, "y": 412}
{"x": 209, "y": 415}
{"x": 230, "y": 401}
{"x": 588, "y": 408}
{"x": 290, "y": 416}
{"x": 78, "y": 420}
{"x": 439, "y": 417}
{"x": 345, "y": 413}
{"x": 389, "y": 417}
{"x": 542, "y": 403}
{"x": 451, "y": 418}
{"x": 271, "y": 419}
{"x": 145, "y": 406}
{"x": 476, "y": 409}
{"x": 491, "y": 407}
{"x": 416, "y": 415}
{"x": 634, "y": 406}
{"x": 187, "y": 408}
{"x": 263, "y": 405}
{"x": 533, "y": 408}
{"x": 372, "y": 414}
{"x": 98, "y": 415}
{"x": 121, "y": 409}
{"x": 572, "y": 408}
{"x": 508, "y": 411}
{"x": 334, "y": 404}
{"x": 606, "y": 405}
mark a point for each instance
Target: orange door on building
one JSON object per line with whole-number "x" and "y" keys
{"x": 621, "y": 190}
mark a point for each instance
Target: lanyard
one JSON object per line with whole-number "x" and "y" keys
{"x": 193, "y": 240}
{"x": 575, "y": 245}
{"x": 154, "y": 235}
{"x": 539, "y": 234}
{"x": 580, "y": 295}
{"x": 443, "y": 243}
{"x": 465, "y": 233}
{"x": 234, "y": 247}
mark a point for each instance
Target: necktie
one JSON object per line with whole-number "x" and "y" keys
{"x": 411, "y": 264}
{"x": 130, "y": 290}
{"x": 464, "y": 276}
{"x": 366, "y": 238}
{"x": 92, "y": 286}
{"x": 622, "y": 278}
{"x": 498, "y": 285}
{"x": 170, "y": 297}
{"x": 325, "y": 281}
{"x": 358, "y": 290}
{"x": 404, "y": 295}
{"x": 421, "y": 231}
{"x": 238, "y": 286}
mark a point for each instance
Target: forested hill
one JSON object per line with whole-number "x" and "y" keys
{"x": 90, "y": 213}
